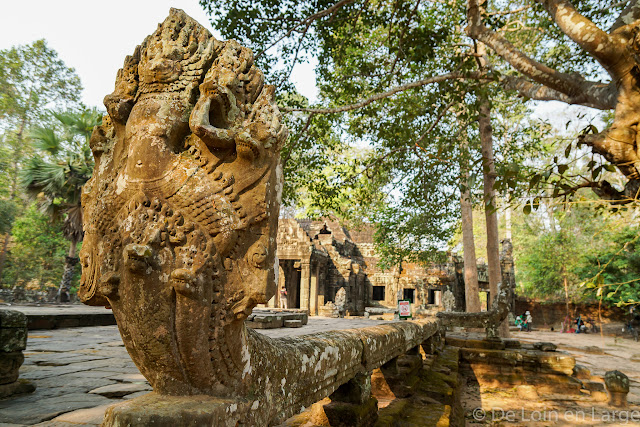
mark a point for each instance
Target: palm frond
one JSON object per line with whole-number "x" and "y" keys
{"x": 46, "y": 139}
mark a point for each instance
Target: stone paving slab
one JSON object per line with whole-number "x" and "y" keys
{"x": 66, "y": 364}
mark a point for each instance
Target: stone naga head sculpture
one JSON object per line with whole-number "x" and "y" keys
{"x": 181, "y": 212}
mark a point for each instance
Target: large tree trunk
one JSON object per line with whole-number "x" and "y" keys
{"x": 490, "y": 202}
{"x": 71, "y": 260}
{"x": 491, "y": 211}
{"x": 566, "y": 290}
{"x": 490, "y": 205}
{"x": 471, "y": 291}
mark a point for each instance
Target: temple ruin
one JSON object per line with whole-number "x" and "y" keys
{"x": 318, "y": 258}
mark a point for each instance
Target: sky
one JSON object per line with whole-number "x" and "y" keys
{"x": 94, "y": 37}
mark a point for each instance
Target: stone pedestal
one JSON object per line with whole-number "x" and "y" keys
{"x": 13, "y": 339}
{"x": 352, "y": 404}
{"x": 617, "y": 385}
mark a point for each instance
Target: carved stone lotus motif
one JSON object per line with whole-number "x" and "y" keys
{"x": 181, "y": 212}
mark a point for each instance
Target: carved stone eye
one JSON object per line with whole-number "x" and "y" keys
{"x": 258, "y": 256}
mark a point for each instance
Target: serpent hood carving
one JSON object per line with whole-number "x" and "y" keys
{"x": 181, "y": 212}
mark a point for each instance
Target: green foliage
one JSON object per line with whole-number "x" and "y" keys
{"x": 394, "y": 162}
{"x": 8, "y": 210}
{"x": 64, "y": 163}
{"x": 32, "y": 80}
{"x": 37, "y": 251}
{"x": 596, "y": 253}
{"x": 613, "y": 271}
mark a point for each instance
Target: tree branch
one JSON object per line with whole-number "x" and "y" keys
{"x": 582, "y": 31}
{"x": 606, "y": 94}
{"x": 307, "y": 22}
{"x": 630, "y": 14}
{"x": 391, "y": 92}
{"x": 572, "y": 85}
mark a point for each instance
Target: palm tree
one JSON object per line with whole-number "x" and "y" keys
{"x": 55, "y": 176}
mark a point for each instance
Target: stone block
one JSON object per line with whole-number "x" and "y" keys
{"x": 10, "y": 366}
{"x": 15, "y": 388}
{"x": 293, "y": 323}
{"x": 510, "y": 343}
{"x": 13, "y": 339}
{"x": 341, "y": 414}
{"x": 473, "y": 343}
{"x": 13, "y": 331}
{"x": 617, "y": 385}
{"x": 12, "y": 319}
{"x": 265, "y": 325}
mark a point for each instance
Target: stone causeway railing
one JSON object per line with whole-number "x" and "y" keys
{"x": 295, "y": 373}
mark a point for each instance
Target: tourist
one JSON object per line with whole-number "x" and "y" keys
{"x": 283, "y": 297}
{"x": 580, "y": 325}
{"x": 528, "y": 321}
{"x": 519, "y": 321}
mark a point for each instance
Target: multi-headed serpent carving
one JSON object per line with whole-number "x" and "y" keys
{"x": 181, "y": 212}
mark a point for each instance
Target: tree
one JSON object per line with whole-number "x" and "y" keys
{"x": 541, "y": 49}
{"x": 38, "y": 245}
{"x": 613, "y": 52}
{"x": 32, "y": 80}
{"x": 396, "y": 71}
{"x": 55, "y": 177}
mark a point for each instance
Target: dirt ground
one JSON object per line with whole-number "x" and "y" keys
{"x": 599, "y": 354}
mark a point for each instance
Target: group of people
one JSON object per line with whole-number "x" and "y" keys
{"x": 578, "y": 325}
{"x": 524, "y": 321}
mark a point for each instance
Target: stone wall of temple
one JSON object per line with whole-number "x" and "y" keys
{"x": 318, "y": 258}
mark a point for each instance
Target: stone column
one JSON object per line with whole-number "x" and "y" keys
{"x": 313, "y": 291}
{"x": 305, "y": 275}
{"x": 352, "y": 403}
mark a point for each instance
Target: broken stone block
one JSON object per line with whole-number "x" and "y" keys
{"x": 13, "y": 331}
{"x": 617, "y": 385}
{"x": 13, "y": 339}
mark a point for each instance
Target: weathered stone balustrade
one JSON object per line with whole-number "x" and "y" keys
{"x": 289, "y": 375}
